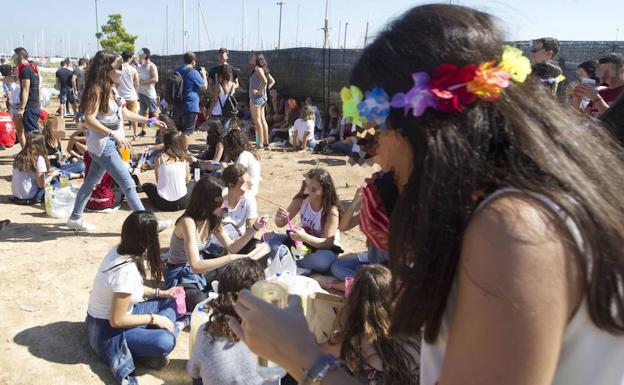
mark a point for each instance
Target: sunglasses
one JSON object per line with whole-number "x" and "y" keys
{"x": 536, "y": 50}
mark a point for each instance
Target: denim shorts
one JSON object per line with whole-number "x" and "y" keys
{"x": 66, "y": 96}
{"x": 258, "y": 100}
{"x": 147, "y": 104}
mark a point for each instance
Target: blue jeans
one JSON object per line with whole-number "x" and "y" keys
{"x": 110, "y": 162}
{"x": 144, "y": 342}
{"x": 345, "y": 267}
{"x": 343, "y": 148}
{"x": 72, "y": 168}
{"x": 319, "y": 261}
{"x": 311, "y": 144}
{"x": 31, "y": 119}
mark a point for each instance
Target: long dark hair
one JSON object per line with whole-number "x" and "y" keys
{"x": 172, "y": 141}
{"x": 524, "y": 140}
{"x": 205, "y": 199}
{"x": 26, "y": 159}
{"x": 98, "y": 85}
{"x": 236, "y": 276}
{"x": 139, "y": 240}
{"x": 330, "y": 197}
{"x": 234, "y": 143}
{"x": 366, "y": 317}
{"x": 262, "y": 63}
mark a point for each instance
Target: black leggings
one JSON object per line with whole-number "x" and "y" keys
{"x": 164, "y": 205}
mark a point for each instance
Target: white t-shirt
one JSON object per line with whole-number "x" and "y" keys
{"x": 15, "y": 89}
{"x": 247, "y": 159}
{"x": 24, "y": 184}
{"x": 125, "y": 87}
{"x": 311, "y": 221}
{"x": 303, "y": 126}
{"x": 124, "y": 278}
{"x": 144, "y": 74}
{"x": 246, "y": 208}
{"x": 172, "y": 180}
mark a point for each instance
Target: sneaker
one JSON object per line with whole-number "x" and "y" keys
{"x": 164, "y": 224}
{"x": 80, "y": 225}
{"x": 142, "y": 133}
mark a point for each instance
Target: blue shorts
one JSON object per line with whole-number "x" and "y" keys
{"x": 147, "y": 104}
{"x": 184, "y": 120}
{"x": 31, "y": 119}
{"x": 66, "y": 96}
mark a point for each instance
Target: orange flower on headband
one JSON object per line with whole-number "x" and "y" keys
{"x": 489, "y": 81}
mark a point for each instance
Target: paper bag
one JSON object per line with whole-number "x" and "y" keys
{"x": 321, "y": 311}
{"x": 57, "y": 125}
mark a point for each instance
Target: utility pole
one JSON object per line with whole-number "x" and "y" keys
{"x": 345, "y": 35}
{"x": 167, "y": 29}
{"x": 97, "y": 25}
{"x": 339, "y": 30}
{"x": 183, "y": 25}
{"x": 243, "y": 29}
{"x": 279, "y": 36}
{"x": 366, "y": 34}
{"x": 297, "y": 35}
{"x": 325, "y": 27}
{"x": 259, "y": 40}
{"x": 198, "y": 25}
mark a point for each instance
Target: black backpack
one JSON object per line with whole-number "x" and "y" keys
{"x": 174, "y": 91}
{"x": 229, "y": 109}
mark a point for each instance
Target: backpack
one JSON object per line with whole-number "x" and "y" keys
{"x": 174, "y": 90}
{"x": 229, "y": 109}
{"x": 7, "y": 130}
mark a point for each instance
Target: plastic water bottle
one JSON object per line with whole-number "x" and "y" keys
{"x": 197, "y": 174}
{"x": 199, "y": 317}
{"x": 277, "y": 295}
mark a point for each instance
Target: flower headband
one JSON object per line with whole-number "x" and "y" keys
{"x": 449, "y": 89}
{"x": 552, "y": 80}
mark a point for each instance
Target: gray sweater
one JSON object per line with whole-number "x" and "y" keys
{"x": 224, "y": 362}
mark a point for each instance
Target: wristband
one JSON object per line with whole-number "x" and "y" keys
{"x": 157, "y": 293}
{"x": 151, "y": 319}
{"x": 254, "y": 227}
{"x": 319, "y": 370}
{"x": 111, "y": 135}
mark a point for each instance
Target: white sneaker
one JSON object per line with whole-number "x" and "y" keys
{"x": 80, "y": 225}
{"x": 164, "y": 224}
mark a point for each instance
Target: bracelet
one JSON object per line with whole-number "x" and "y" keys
{"x": 157, "y": 293}
{"x": 319, "y": 370}
{"x": 151, "y": 319}
{"x": 110, "y": 134}
{"x": 254, "y": 227}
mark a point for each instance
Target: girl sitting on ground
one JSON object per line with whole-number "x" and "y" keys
{"x": 185, "y": 266}
{"x": 303, "y": 136}
{"x": 173, "y": 187}
{"x": 362, "y": 338}
{"x": 127, "y": 321}
{"x": 58, "y": 160}
{"x": 320, "y": 213}
{"x": 219, "y": 357}
{"x": 29, "y": 170}
{"x": 239, "y": 150}
{"x": 77, "y": 142}
{"x": 239, "y": 209}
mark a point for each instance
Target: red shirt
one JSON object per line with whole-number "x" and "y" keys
{"x": 608, "y": 95}
{"x": 7, "y": 130}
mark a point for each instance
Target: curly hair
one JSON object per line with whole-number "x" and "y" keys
{"x": 238, "y": 275}
{"x": 234, "y": 143}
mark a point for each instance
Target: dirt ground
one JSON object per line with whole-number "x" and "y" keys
{"x": 48, "y": 272}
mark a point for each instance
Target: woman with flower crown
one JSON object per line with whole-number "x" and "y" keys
{"x": 506, "y": 241}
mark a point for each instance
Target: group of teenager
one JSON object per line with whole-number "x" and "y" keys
{"x": 493, "y": 228}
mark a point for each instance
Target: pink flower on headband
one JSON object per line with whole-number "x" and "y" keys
{"x": 448, "y": 83}
{"x": 418, "y": 99}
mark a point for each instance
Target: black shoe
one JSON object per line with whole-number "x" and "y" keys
{"x": 142, "y": 133}
{"x": 4, "y": 224}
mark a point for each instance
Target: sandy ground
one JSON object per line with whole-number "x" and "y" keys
{"x": 48, "y": 272}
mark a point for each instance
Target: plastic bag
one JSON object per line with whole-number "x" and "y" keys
{"x": 60, "y": 202}
{"x": 45, "y": 96}
{"x": 282, "y": 263}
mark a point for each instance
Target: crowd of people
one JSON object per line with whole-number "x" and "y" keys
{"x": 493, "y": 228}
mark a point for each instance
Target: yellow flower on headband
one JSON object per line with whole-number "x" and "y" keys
{"x": 559, "y": 79}
{"x": 514, "y": 62}
{"x": 489, "y": 81}
{"x": 351, "y": 97}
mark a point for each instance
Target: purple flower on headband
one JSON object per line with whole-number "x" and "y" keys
{"x": 376, "y": 106}
{"x": 418, "y": 98}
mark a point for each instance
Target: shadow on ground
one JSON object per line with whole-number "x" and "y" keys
{"x": 324, "y": 162}
{"x": 66, "y": 343}
{"x": 39, "y": 232}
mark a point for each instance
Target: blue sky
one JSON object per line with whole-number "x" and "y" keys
{"x": 70, "y": 25}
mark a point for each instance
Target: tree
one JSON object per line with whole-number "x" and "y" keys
{"x": 116, "y": 38}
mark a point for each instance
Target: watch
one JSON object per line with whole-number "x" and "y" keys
{"x": 325, "y": 364}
